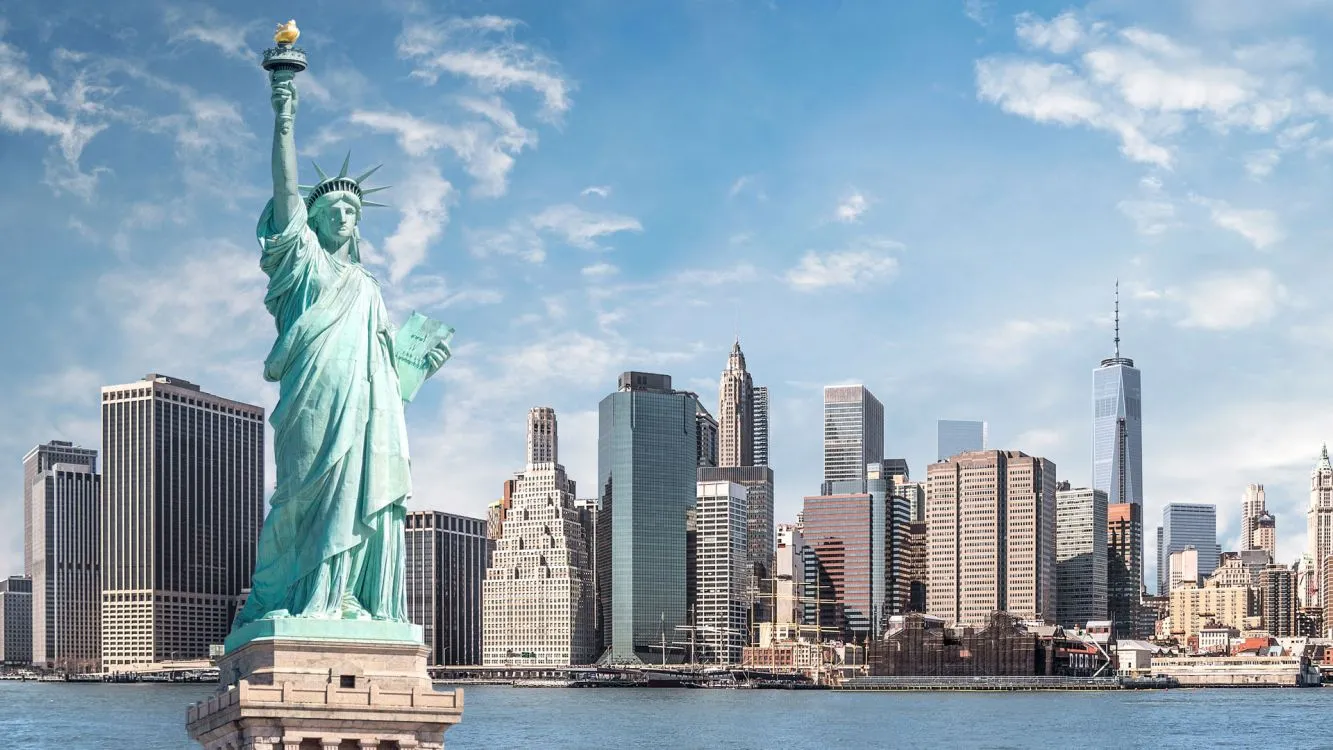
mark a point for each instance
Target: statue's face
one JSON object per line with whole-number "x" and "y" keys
{"x": 335, "y": 221}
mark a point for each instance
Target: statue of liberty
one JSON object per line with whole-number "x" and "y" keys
{"x": 332, "y": 545}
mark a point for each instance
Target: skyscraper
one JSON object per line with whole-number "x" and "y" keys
{"x": 760, "y": 425}
{"x": 538, "y": 593}
{"x": 647, "y": 467}
{"x": 722, "y": 572}
{"x": 38, "y": 460}
{"x": 1124, "y": 566}
{"x": 446, "y": 564}
{"x": 1319, "y": 520}
{"x": 543, "y": 437}
{"x": 182, "y": 503}
{"x": 705, "y": 436}
{"x": 66, "y": 568}
{"x": 735, "y": 412}
{"x": 1117, "y": 426}
{"x": 1265, "y": 534}
{"x": 1080, "y": 555}
{"x": 991, "y": 518}
{"x": 1188, "y": 525}
{"x": 1252, "y": 504}
{"x": 853, "y": 432}
{"x": 788, "y": 574}
{"x": 1278, "y": 600}
{"x": 16, "y": 621}
{"x": 954, "y": 436}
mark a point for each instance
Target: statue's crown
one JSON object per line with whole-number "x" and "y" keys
{"x": 342, "y": 183}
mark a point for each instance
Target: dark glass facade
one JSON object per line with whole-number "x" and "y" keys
{"x": 446, "y": 565}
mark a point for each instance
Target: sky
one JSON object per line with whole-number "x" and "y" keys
{"x": 931, "y": 197}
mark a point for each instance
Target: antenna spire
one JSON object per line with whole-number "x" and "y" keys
{"x": 1117, "y": 318}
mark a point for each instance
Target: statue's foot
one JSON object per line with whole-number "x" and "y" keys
{"x": 355, "y": 612}
{"x": 276, "y": 614}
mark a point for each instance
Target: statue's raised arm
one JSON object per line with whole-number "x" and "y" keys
{"x": 286, "y": 194}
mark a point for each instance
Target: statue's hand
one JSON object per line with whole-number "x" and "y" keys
{"x": 437, "y": 356}
{"x": 285, "y": 97}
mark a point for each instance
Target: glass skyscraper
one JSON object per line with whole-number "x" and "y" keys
{"x": 1187, "y": 525}
{"x": 1117, "y": 426}
{"x": 646, "y": 470}
{"x": 853, "y": 432}
{"x": 954, "y": 436}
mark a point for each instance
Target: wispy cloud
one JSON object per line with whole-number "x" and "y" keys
{"x": 1150, "y": 217}
{"x": 206, "y": 26}
{"x": 979, "y": 12}
{"x": 1260, "y": 227}
{"x": 487, "y": 154}
{"x": 1231, "y": 300}
{"x": 864, "y": 261}
{"x": 601, "y": 191}
{"x": 425, "y": 213}
{"x": 599, "y": 270}
{"x": 582, "y": 228}
{"x": 851, "y": 208}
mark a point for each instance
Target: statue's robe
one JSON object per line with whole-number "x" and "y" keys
{"x": 332, "y": 545}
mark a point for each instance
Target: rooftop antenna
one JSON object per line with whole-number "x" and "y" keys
{"x": 1117, "y": 318}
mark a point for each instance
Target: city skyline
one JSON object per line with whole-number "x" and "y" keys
{"x": 837, "y": 216}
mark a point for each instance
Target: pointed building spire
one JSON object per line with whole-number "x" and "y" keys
{"x": 1117, "y": 318}
{"x": 1324, "y": 464}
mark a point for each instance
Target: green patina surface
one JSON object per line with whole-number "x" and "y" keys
{"x": 331, "y": 553}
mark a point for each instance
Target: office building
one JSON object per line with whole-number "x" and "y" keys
{"x": 446, "y": 564}
{"x": 760, "y": 425}
{"x": 722, "y": 573}
{"x": 1183, "y": 568}
{"x": 1117, "y": 426}
{"x": 1319, "y": 523}
{"x": 1124, "y": 567}
{"x": 1265, "y": 534}
{"x": 954, "y": 436}
{"x": 537, "y": 598}
{"x": 735, "y": 412}
{"x": 990, "y": 519}
{"x": 705, "y": 436}
{"x": 1278, "y": 600}
{"x": 758, "y": 484}
{"x": 15, "y": 621}
{"x": 66, "y": 568}
{"x": 1080, "y": 555}
{"x": 1188, "y": 525}
{"x": 853, "y": 432}
{"x": 856, "y": 561}
{"x": 38, "y": 460}
{"x": 647, "y": 467}
{"x": 587, "y": 510}
{"x": 182, "y": 504}
{"x": 1252, "y": 504}
{"x": 789, "y": 576}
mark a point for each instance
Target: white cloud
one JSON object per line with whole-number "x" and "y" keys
{"x": 1012, "y": 342}
{"x": 599, "y": 271}
{"x": 1059, "y": 35}
{"x": 851, "y": 208}
{"x": 422, "y": 292}
{"x": 517, "y": 239}
{"x": 1150, "y": 217}
{"x": 582, "y": 228}
{"x": 207, "y": 27}
{"x": 863, "y": 262}
{"x": 484, "y": 51}
{"x": 1261, "y": 163}
{"x": 979, "y": 11}
{"x": 743, "y": 183}
{"x": 1229, "y": 301}
{"x": 486, "y": 148}
{"x": 601, "y": 191}
{"x": 1260, "y": 227}
{"x": 425, "y": 213}
{"x": 738, "y": 274}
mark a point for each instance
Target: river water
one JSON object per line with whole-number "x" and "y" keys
{"x": 73, "y": 716}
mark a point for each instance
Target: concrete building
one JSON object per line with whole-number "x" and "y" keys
{"x": 446, "y": 564}
{"x": 735, "y": 412}
{"x": 990, "y": 519}
{"x": 788, "y": 575}
{"x": 1080, "y": 555}
{"x": 1278, "y": 602}
{"x": 16, "y": 621}
{"x": 1265, "y": 533}
{"x": 722, "y": 573}
{"x": 647, "y": 469}
{"x": 1183, "y": 567}
{"x": 66, "y": 568}
{"x": 1188, "y": 525}
{"x": 1319, "y": 525}
{"x": 1195, "y": 608}
{"x": 954, "y": 436}
{"x": 856, "y": 556}
{"x": 1252, "y": 504}
{"x": 38, "y": 460}
{"x": 853, "y": 433}
{"x": 758, "y": 484}
{"x": 182, "y": 504}
{"x": 1117, "y": 426}
{"x": 587, "y": 510}
{"x": 760, "y": 425}
{"x": 538, "y": 594}
{"x": 1240, "y": 568}
{"x": 1124, "y": 571}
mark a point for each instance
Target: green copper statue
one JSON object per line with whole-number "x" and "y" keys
{"x": 332, "y": 546}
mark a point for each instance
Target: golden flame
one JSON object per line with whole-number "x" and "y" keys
{"x": 287, "y": 33}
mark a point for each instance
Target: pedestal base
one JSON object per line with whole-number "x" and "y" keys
{"x": 303, "y": 694}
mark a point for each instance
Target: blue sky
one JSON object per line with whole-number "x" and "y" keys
{"x": 930, "y": 197}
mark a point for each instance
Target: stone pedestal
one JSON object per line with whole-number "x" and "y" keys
{"x": 289, "y": 693}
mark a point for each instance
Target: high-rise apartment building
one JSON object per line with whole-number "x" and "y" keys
{"x": 647, "y": 466}
{"x": 1252, "y": 504}
{"x": 954, "y": 436}
{"x": 789, "y": 576}
{"x": 1183, "y": 568}
{"x": 446, "y": 563}
{"x": 538, "y": 593}
{"x": 760, "y": 425}
{"x": 38, "y": 460}
{"x": 856, "y": 557}
{"x": 1319, "y": 521}
{"x": 1265, "y": 534}
{"x": 1188, "y": 525}
{"x": 991, "y": 518}
{"x": 66, "y": 568}
{"x": 1117, "y": 426}
{"x": 722, "y": 573}
{"x": 182, "y": 504}
{"x": 1124, "y": 566}
{"x": 1278, "y": 600}
{"x": 1080, "y": 555}
{"x": 16, "y": 621}
{"x": 735, "y": 412}
{"x": 853, "y": 432}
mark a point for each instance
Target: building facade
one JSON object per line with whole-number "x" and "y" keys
{"x": 722, "y": 573}
{"x": 182, "y": 505}
{"x": 1124, "y": 567}
{"x": 1080, "y": 556}
{"x": 1188, "y": 525}
{"x": 1265, "y": 534}
{"x": 1195, "y": 608}
{"x": 66, "y": 568}
{"x": 1252, "y": 504}
{"x": 758, "y": 484}
{"x": 789, "y": 577}
{"x": 1278, "y": 602}
{"x": 38, "y": 460}
{"x": 538, "y": 595}
{"x": 705, "y": 436}
{"x": 760, "y": 425}
{"x": 990, "y": 526}
{"x": 16, "y": 621}
{"x": 1319, "y": 526}
{"x": 954, "y": 436}
{"x": 735, "y": 412}
{"x": 446, "y": 564}
{"x": 1117, "y": 426}
{"x": 853, "y": 432}
{"x": 647, "y": 478}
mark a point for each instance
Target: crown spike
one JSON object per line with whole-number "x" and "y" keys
{"x": 374, "y": 204}
{"x": 347, "y": 161}
{"x": 319, "y": 171}
{"x": 366, "y": 174}
{"x": 368, "y": 191}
